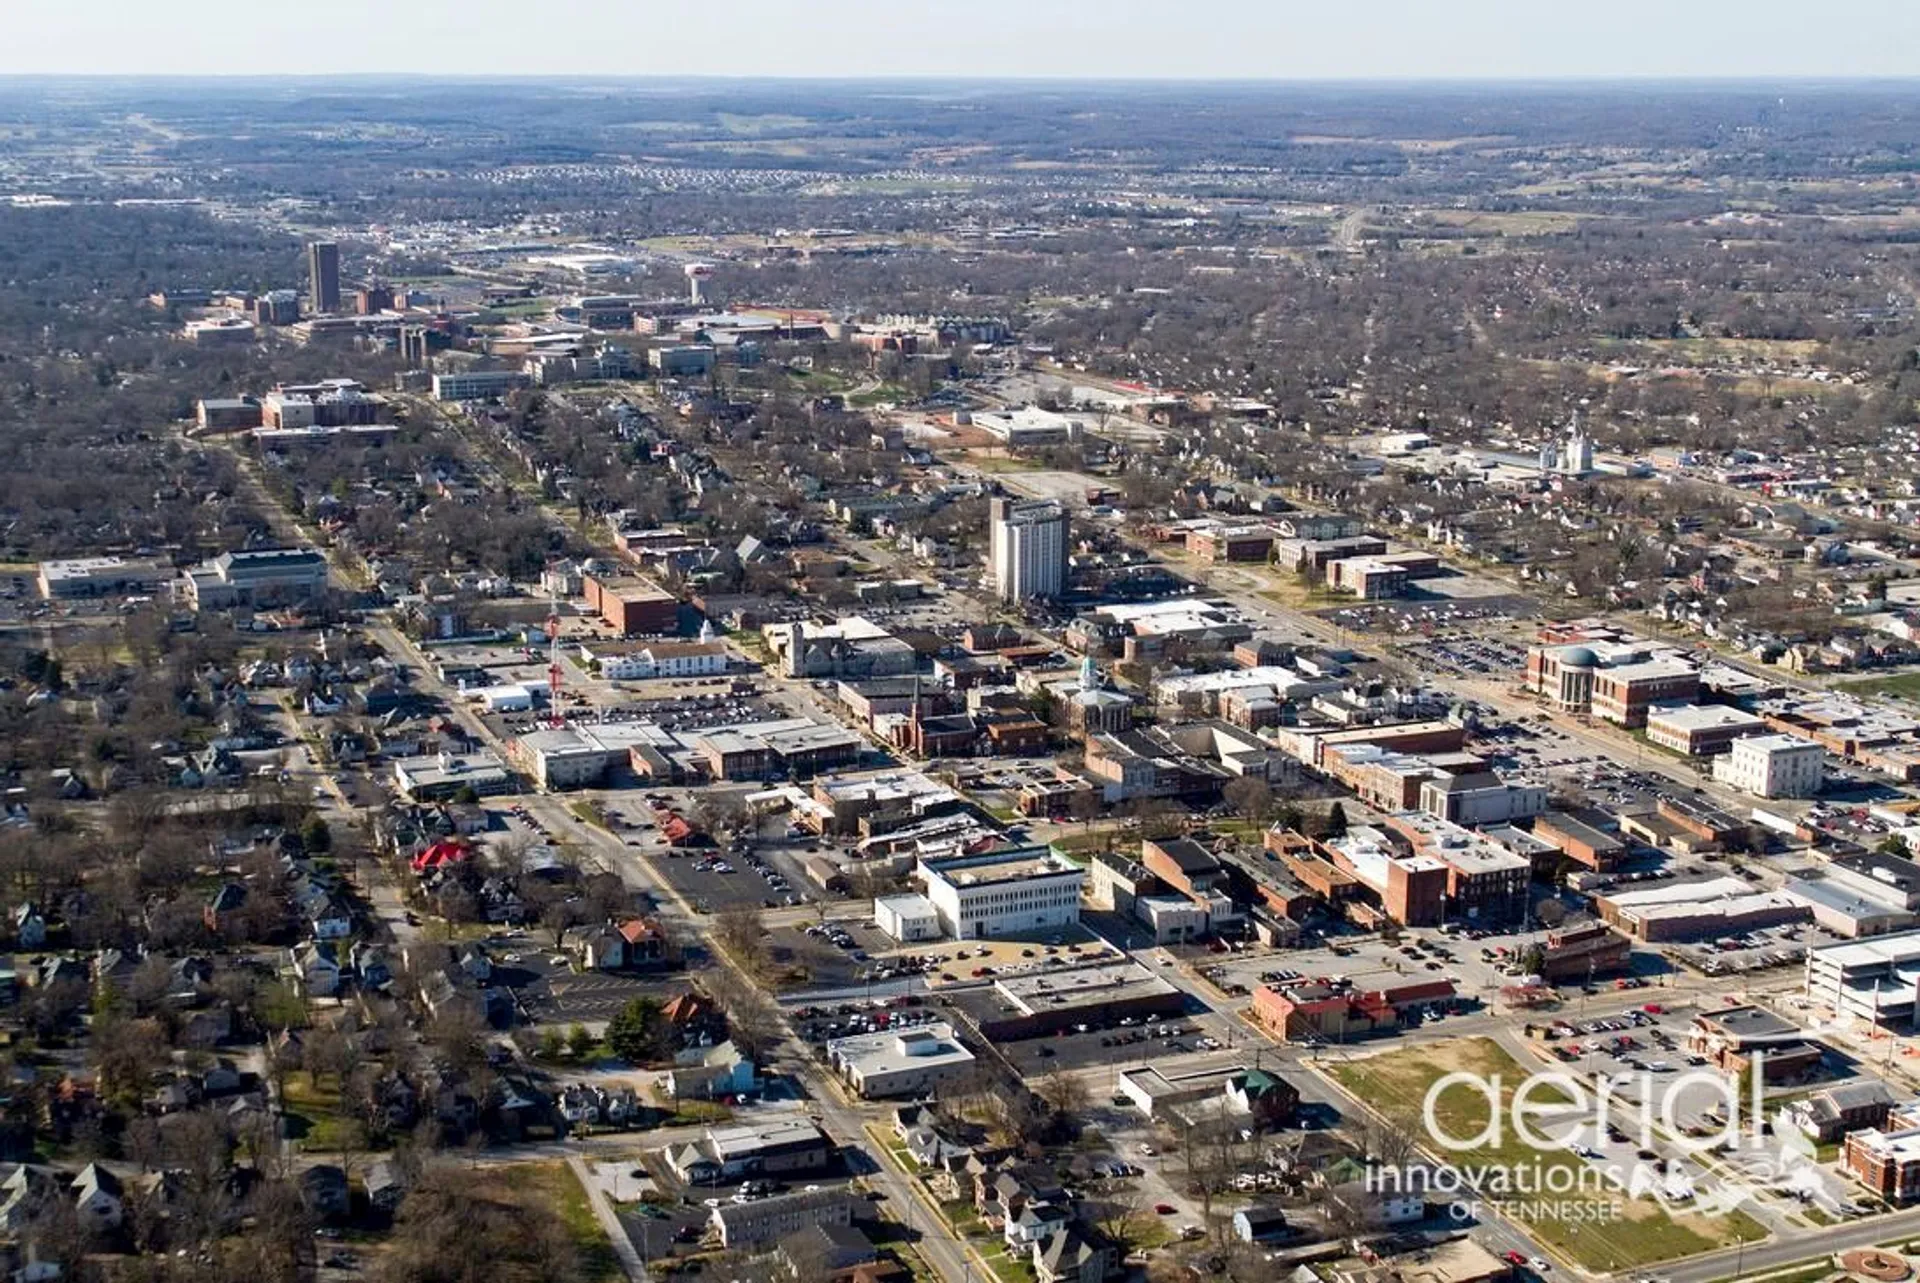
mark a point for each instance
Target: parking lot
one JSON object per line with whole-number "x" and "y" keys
{"x": 836, "y": 955}
{"x": 549, "y": 991}
{"x": 1115, "y": 1045}
{"x": 1463, "y": 654}
{"x": 745, "y": 871}
{"x": 1413, "y": 614}
{"x": 1762, "y": 949}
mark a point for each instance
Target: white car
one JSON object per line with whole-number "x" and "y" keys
{"x": 1539, "y": 1265}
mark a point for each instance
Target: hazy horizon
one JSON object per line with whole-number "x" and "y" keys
{"x": 1231, "y": 41}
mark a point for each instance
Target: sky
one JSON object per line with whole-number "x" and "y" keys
{"x": 1074, "y": 39}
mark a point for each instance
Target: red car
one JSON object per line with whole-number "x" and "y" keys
{"x": 1164, "y": 1209}
{"x": 1514, "y": 1258}
{"x": 1653, "y": 1009}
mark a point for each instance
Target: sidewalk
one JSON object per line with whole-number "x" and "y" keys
{"x": 623, "y": 1248}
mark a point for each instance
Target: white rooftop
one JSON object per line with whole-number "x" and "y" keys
{"x": 1702, "y": 717}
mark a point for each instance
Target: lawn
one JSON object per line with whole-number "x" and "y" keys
{"x": 314, "y": 1119}
{"x": 885, "y": 393}
{"x": 563, "y": 1193}
{"x": 1006, "y": 1268}
{"x": 1003, "y": 463}
{"x": 1810, "y": 1273}
{"x": 1897, "y": 686}
{"x": 1641, "y": 1231}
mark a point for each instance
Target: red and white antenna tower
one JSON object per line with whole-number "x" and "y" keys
{"x": 556, "y": 676}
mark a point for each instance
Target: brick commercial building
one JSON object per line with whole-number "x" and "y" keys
{"x": 1583, "y": 952}
{"x": 1580, "y": 841}
{"x": 1238, "y": 543}
{"x": 1323, "y": 1011}
{"x": 1485, "y": 882}
{"x": 1730, "y": 1037}
{"x": 1409, "y": 887}
{"x": 1886, "y": 1162}
{"x": 1700, "y": 730}
{"x": 632, "y": 605}
{"x": 1611, "y": 674}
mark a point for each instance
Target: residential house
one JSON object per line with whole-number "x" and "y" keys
{"x": 1064, "y": 1257}
{"x": 385, "y": 1189}
{"x": 636, "y": 942}
{"x": 370, "y": 966}
{"x": 315, "y": 967}
{"x": 324, "y": 1190}
{"x": 97, "y": 1199}
{"x": 1000, "y": 1195}
{"x": 721, "y": 1071}
{"x": 29, "y": 928}
{"x": 224, "y": 906}
{"x": 1034, "y": 1222}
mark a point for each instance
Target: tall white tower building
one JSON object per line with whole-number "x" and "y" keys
{"x": 1029, "y": 548}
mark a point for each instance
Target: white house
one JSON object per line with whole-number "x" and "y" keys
{"x": 96, "y": 1199}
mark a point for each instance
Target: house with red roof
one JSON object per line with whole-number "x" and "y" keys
{"x": 447, "y": 851}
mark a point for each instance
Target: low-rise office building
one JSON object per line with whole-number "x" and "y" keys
{"x": 1773, "y": 766}
{"x": 1700, "y": 730}
{"x": 441, "y": 777}
{"x": 1730, "y": 1037}
{"x": 647, "y": 661}
{"x": 905, "y": 1062}
{"x": 479, "y": 385}
{"x": 1021, "y": 889}
{"x": 1886, "y": 1162}
{"x": 77, "y": 578}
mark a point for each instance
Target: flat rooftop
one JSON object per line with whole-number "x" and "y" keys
{"x": 1572, "y": 826}
{"x": 1096, "y": 985}
{"x": 1900, "y": 1146}
{"x": 1750, "y": 1022}
{"x": 889, "y": 1051}
{"x": 1888, "y": 951}
{"x": 1702, "y": 717}
{"x": 1016, "y": 864}
{"x": 1280, "y": 680}
{"x": 752, "y": 1137}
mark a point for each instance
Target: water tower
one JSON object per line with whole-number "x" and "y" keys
{"x": 696, "y": 273}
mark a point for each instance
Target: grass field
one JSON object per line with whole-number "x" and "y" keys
{"x": 1897, "y": 686}
{"x": 1641, "y": 1233}
{"x": 562, "y": 1192}
{"x": 314, "y": 1118}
